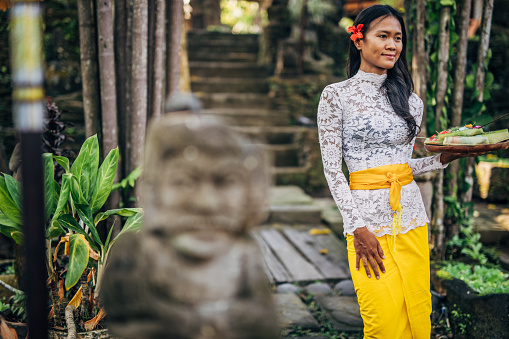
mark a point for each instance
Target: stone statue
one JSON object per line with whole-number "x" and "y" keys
{"x": 193, "y": 271}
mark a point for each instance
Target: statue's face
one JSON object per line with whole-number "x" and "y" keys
{"x": 203, "y": 198}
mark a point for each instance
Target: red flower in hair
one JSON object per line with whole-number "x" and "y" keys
{"x": 356, "y": 32}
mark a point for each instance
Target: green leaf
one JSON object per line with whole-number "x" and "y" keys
{"x": 83, "y": 167}
{"x": 14, "y": 188}
{"x": 104, "y": 181}
{"x": 489, "y": 79}
{"x": 123, "y": 212}
{"x": 470, "y": 80}
{"x": 67, "y": 221}
{"x": 133, "y": 224}
{"x": 64, "y": 162}
{"x": 7, "y": 205}
{"x": 76, "y": 194}
{"x": 91, "y": 168}
{"x": 64, "y": 195}
{"x": 54, "y": 230}
{"x": 78, "y": 259}
{"x": 7, "y": 230}
{"x": 49, "y": 188}
{"x": 107, "y": 242}
{"x": 86, "y": 216}
{"x": 18, "y": 237}
{"x": 6, "y": 221}
{"x": 56, "y": 195}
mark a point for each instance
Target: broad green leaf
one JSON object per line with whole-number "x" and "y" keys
{"x": 86, "y": 216}
{"x": 49, "y": 188}
{"x": 83, "y": 166}
{"x": 18, "y": 237}
{"x": 64, "y": 195}
{"x": 7, "y": 230}
{"x": 76, "y": 194}
{"x": 7, "y": 205}
{"x": 90, "y": 169}
{"x": 469, "y": 80}
{"x": 104, "y": 181}
{"x": 54, "y": 230}
{"x": 56, "y": 195}
{"x": 133, "y": 224}
{"x": 6, "y": 221}
{"x": 123, "y": 212}
{"x": 62, "y": 161}
{"x": 67, "y": 221}
{"x": 14, "y": 188}
{"x": 78, "y": 259}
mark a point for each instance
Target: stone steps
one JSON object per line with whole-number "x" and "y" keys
{"x": 228, "y": 85}
{"x": 228, "y": 69}
{"x": 248, "y": 116}
{"x": 234, "y": 100}
{"x": 233, "y": 87}
{"x": 204, "y": 55}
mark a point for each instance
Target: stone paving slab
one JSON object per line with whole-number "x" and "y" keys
{"x": 330, "y": 214}
{"x": 343, "y": 312}
{"x": 288, "y": 195}
{"x": 293, "y": 312}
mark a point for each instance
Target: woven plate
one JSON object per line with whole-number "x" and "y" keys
{"x": 466, "y": 148}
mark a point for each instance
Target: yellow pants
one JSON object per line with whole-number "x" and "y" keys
{"x": 399, "y": 304}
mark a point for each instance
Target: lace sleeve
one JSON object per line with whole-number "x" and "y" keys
{"x": 421, "y": 165}
{"x": 330, "y": 133}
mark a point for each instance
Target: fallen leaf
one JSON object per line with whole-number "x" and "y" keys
{"x": 51, "y": 312}
{"x": 61, "y": 289}
{"x": 316, "y": 231}
{"x": 76, "y": 300}
{"x": 324, "y": 251}
{"x": 92, "y": 323}
{"x": 7, "y": 332}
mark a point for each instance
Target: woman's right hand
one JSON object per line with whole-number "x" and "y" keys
{"x": 368, "y": 249}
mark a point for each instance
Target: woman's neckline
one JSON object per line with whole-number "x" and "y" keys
{"x": 377, "y": 79}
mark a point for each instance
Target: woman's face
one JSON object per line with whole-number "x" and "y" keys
{"x": 381, "y": 46}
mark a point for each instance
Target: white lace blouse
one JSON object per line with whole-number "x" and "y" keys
{"x": 356, "y": 122}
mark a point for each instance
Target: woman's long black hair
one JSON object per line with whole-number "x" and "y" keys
{"x": 399, "y": 84}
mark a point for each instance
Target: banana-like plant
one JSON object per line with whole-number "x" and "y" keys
{"x": 72, "y": 212}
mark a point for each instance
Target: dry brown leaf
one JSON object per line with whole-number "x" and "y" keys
{"x": 66, "y": 250}
{"x": 61, "y": 290}
{"x": 51, "y": 312}
{"x": 92, "y": 323}
{"x": 76, "y": 300}
{"x": 7, "y": 332}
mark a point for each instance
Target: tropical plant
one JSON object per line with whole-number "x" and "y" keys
{"x": 72, "y": 212}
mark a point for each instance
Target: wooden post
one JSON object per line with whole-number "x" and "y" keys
{"x": 28, "y": 94}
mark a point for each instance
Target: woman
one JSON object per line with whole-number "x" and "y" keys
{"x": 371, "y": 121}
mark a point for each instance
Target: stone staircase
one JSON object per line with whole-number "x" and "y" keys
{"x": 232, "y": 85}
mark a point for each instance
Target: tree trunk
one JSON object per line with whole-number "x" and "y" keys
{"x": 419, "y": 59}
{"x": 107, "y": 76}
{"x": 483, "y": 48}
{"x": 175, "y": 18}
{"x": 302, "y": 37}
{"x": 122, "y": 77}
{"x": 443, "y": 60}
{"x": 139, "y": 86}
{"x": 184, "y": 76}
{"x": 88, "y": 55}
{"x": 157, "y": 63}
{"x": 459, "y": 86}
{"x": 479, "y": 84}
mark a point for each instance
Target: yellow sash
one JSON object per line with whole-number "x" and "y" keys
{"x": 388, "y": 176}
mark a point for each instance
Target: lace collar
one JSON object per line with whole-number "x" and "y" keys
{"x": 377, "y": 79}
